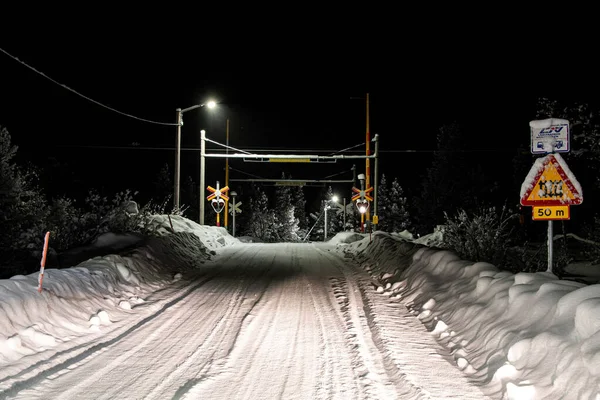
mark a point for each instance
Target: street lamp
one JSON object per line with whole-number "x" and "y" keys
{"x": 176, "y": 189}
{"x": 335, "y": 199}
{"x": 327, "y": 207}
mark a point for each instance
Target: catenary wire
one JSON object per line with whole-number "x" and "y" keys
{"x": 85, "y": 97}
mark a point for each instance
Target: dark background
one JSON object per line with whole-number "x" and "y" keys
{"x": 288, "y": 93}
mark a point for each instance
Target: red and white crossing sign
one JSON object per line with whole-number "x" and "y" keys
{"x": 362, "y": 194}
{"x": 217, "y": 193}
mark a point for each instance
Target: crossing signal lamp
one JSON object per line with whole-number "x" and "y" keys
{"x": 362, "y": 205}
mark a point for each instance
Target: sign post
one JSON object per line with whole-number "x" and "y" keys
{"x": 550, "y": 187}
{"x": 235, "y": 209}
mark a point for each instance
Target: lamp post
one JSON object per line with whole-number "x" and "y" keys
{"x": 202, "y": 171}
{"x": 176, "y": 189}
{"x": 335, "y": 199}
{"x": 227, "y": 171}
{"x": 325, "y": 207}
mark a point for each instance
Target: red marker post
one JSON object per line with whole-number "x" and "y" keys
{"x": 43, "y": 262}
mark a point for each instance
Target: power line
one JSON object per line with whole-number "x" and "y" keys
{"x": 348, "y": 148}
{"x": 85, "y": 97}
{"x": 246, "y": 173}
{"x": 76, "y": 146}
{"x": 290, "y": 150}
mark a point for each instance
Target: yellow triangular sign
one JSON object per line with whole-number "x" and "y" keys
{"x": 550, "y": 183}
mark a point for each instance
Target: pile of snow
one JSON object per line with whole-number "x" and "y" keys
{"x": 405, "y": 234}
{"x": 100, "y": 295}
{"x": 433, "y": 239}
{"x": 346, "y": 237}
{"x": 213, "y": 237}
{"x": 520, "y": 336}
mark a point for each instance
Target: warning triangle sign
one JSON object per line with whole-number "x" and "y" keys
{"x": 550, "y": 183}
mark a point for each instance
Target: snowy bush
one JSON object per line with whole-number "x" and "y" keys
{"x": 485, "y": 235}
{"x": 22, "y": 208}
{"x": 65, "y": 223}
{"x": 26, "y": 216}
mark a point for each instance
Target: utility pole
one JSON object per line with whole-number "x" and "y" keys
{"x": 176, "y": 184}
{"x": 177, "y": 161}
{"x": 226, "y": 169}
{"x": 367, "y": 160}
{"x": 202, "y": 162}
{"x": 375, "y": 182}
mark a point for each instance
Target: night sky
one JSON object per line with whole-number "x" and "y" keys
{"x": 296, "y": 95}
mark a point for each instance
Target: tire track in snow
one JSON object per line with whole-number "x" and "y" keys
{"x": 292, "y": 346}
{"x": 143, "y": 353}
{"x": 380, "y": 377}
{"x": 406, "y": 343}
{"x": 70, "y": 357}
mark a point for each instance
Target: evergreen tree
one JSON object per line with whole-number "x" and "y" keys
{"x": 10, "y": 180}
{"x": 383, "y": 205}
{"x": 344, "y": 210}
{"x": 261, "y": 221}
{"x": 188, "y": 201}
{"x": 437, "y": 185}
{"x": 398, "y": 213}
{"x": 299, "y": 203}
{"x": 334, "y": 214}
{"x": 453, "y": 181}
{"x": 352, "y": 218}
{"x": 163, "y": 185}
{"x": 286, "y": 224}
{"x": 23, "y": 208}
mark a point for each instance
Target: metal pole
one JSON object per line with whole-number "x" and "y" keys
{"x": 375, "y": 180}
{"x": 226, "y": 172}
{"x": 288, "y": 157}
{"x": 344, "y": 213}
{"x": 550, "y": 238}
{"x": 368, "y": 161}
{"x": 233, "y": 214}
{"x": 177, "y": 162}
{"x": 202, "y": 170}
{"x": 550, "y": 245}
{"x": 325, "y": 230}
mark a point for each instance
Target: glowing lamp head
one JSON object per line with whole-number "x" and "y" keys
{"x": 362, "y": 205}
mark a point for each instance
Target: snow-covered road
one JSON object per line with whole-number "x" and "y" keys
{"x": 264, "y": 321}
